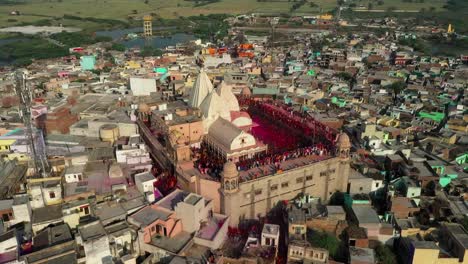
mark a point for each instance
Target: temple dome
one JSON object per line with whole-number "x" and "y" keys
{"x": 143, "y": 108}
{"x": 214, "y": 107}
{"x": 200, "y": 90}
{"x": 227, "y": 97}
{"x": 343, "y": 141}
{"x": 230, "y": 170}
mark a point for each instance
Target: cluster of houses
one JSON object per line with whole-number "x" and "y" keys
{"x": 119, "y": 136}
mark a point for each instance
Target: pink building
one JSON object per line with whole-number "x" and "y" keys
{"x": 156, "y": 221}
{"x": 63, "y": 74}
{"x": 174, "y": 223}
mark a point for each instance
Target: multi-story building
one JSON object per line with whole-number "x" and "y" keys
{"x": 244, "y": 198}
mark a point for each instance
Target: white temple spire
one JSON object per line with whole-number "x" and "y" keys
{"x": 200, "y": 90}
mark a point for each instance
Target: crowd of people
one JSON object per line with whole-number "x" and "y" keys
{"x": 302, "y": 122}
{"x": 207, "y": 162}
{"x": 289, "y": 141}
{"x": 276, "y": 159}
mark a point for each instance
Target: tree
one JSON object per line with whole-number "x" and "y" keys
{"x": 344, "y": 75}
{"x": 370, "y": 6}
{"x": 150, "y": 51}
{"x": 385, "y": 255}
{"x": 337, "y": 198}
{"x": 397, "y": 87}
{"x": 324, "y": 240}
{"x": 118, "y": 47}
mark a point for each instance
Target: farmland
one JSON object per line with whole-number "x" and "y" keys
{"x": 108, "y": 13}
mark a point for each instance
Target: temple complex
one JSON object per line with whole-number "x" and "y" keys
{"x": 249, "y": 154}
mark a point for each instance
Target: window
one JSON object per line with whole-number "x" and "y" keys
{"x": 377, "y": 185}
{"x": 299, "y": 180}
{"x": 158, "y": 229}
{"x": 52, "y": 195}
{"x": 258, "y": 192}
{"x": 360, "y": 188}
{"x": 153, "y": 228}
{"x": 267, "y": 241}
{"x": 274, "y": 187}
{"x": 285, "y": 185}
{"x": 309, "y": 178}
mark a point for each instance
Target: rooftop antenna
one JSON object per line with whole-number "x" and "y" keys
{"x": 24, "y": 93}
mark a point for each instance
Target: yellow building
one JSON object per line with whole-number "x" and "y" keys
{"x": 74, "y": 210}
{"x": 19, "y": 156}
{"x": 326, "y": 17}
{"x": 389, "y": 122}
{"x": 5, "y": 144}
{"x": 132, "y": 65}
{"x": 266, "y": 59}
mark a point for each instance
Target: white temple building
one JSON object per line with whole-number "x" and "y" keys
{"x": 201, "y": 89}
{"x": 225, "y": 126}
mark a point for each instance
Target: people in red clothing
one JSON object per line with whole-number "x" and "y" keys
{"x": 288, "y": 133}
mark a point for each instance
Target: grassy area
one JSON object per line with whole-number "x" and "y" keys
{"x": 93, "y": 15}
{"x": 408, "y": 5}
{"x": 22, "y": 52}
{"x": 27, "y": 48}
{"x": 454, "y": 13}
{"x": 53, "y": 10}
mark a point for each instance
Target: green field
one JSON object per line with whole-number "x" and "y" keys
{"x": 414, "y": 5}
{"x": 51, "y": 12}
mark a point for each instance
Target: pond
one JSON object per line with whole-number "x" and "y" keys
{"x": 155, "y": 41}
{"x": 10, "y": 40}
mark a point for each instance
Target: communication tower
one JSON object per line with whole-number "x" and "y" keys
{"x": 38, "y": 155}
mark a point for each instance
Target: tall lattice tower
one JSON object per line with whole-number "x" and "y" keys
{"x": 148, "y": 26}
{"x": 38, "y": 153}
